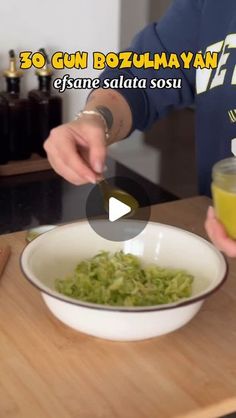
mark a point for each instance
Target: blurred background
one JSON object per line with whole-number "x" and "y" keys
{"x": 165, "y": 155}
{"x": 74, "y": 26}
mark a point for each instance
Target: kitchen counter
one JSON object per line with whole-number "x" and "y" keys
{"x": 48, "y": 370}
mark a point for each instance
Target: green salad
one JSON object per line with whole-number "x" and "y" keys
{"x": 120, "y": 280}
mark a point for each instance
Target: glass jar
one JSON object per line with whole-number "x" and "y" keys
{"x": 224, "y": 194}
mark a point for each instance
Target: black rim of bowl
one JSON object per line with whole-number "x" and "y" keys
{"x": 136, "y": 309}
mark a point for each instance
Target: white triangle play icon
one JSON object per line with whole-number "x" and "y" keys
{"x": 117, "y": 209}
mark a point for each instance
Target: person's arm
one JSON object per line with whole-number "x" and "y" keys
{"x": 176, "y": 32}
{"x": 77, "y": 150}
{"x": 118, "y": 110}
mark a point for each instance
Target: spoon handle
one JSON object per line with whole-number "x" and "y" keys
{"x": 104, "y": 185}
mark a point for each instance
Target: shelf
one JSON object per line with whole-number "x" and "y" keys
{"x": 32, "y": 165}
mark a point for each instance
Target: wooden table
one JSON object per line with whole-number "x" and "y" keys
{"x": 50, "y": 371}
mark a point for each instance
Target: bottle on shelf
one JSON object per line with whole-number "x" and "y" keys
{"x": 18, "y": 113}
{"x": 4, "y": 143}
{"x": 45, "y": 107}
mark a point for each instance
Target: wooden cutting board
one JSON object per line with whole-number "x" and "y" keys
{"x": 50, "y": 371}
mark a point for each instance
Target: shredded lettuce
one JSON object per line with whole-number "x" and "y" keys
{"x": 120, "y": 280}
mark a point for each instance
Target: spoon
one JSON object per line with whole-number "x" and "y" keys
{"x": 33, "y": 233}
{"x": 109, "y": 191}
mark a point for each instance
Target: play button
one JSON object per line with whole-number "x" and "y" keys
{"x": 117, "y": 209}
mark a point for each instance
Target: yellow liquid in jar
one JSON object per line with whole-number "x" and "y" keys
{"x": 225, "y": 207}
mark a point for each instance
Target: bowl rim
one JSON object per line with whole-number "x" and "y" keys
{"x": 132, "y": 309}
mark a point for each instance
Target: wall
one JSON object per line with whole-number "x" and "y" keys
{"x": 157, "y": 8}
{"x": 134, "y": 16}
{"x": 69, "y": 26}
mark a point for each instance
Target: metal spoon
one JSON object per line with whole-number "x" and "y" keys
{"x": 33, "y": 233}
{"x": 109, "y": 191}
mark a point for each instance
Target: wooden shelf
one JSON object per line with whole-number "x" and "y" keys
{"x": 32, "y": 165}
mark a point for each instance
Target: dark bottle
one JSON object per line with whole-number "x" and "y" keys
{"x": 18, "y": 114}
{"x": 46, "y": 109}
{"x": 4, "y": 143}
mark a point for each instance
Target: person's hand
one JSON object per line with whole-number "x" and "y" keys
{"x": 218, "y": 235}
{"x": 77, "y": 151}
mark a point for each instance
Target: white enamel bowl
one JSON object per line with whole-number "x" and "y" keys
{"x": 56, "y": 253}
